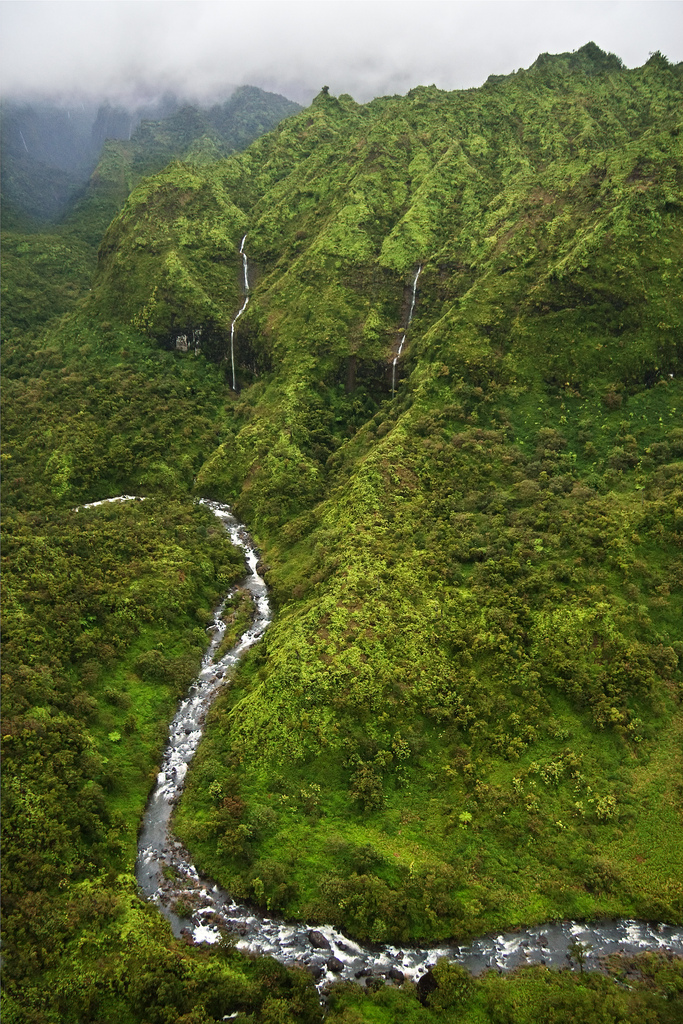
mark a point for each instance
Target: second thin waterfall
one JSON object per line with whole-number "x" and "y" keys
{"x": 403, "y": 339}
{"x": 245, "y": 267}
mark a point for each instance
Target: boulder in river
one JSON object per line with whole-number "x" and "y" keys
{"x": 335, "y": 965}
{"x": 239, "y": 927}
{"x": 318, "y": 940}
{"x": 395, "y": 975}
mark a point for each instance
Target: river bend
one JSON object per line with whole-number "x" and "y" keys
{"x": 166, "y": 874}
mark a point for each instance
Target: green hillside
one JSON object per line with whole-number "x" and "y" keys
{"x": 199, "y": 135}
{"x": 466, "y": 715}
{"x": 478, "y": 581}
{"x": 53, "y": 219}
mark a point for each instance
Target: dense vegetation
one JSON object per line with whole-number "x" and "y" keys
{"x": 49, "y": 151}
{"x": 467, "y": 713}
{"x": 54, "y": 214}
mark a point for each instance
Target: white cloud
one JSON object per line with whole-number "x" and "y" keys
{"x": 199, "y": 49}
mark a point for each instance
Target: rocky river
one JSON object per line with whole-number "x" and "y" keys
{"x": 202, "y": 912}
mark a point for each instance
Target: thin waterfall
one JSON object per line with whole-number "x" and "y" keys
{"x": 245, "y": 267}
{"x": 403, "y": 339}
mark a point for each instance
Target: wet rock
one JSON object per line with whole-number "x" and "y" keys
{"x": 239, "y": 927}
{"x": 364, "y": 972}
{"x": 187, "y": 936}
{"x": 213, "y": 919}
{"x": 425, "y": 986}
{"x": 335, "y": 965}
{"x": 374, "y": 983}
{"x": 395, "y": 975}
{"x": 316, "y": 971}
{"x": 318, "y": 940}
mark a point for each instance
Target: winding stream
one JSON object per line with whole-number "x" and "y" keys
{"x": 166, "y": 874}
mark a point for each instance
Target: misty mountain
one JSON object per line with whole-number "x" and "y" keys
{"x": 190, "y": 134}
{"x": 50, "y": 150}
{"x": 47, "y": 264}
{"x": 454, "y": 433}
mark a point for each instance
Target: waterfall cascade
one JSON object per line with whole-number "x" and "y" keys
{"x": 245, "y": 268}
{"x": 403, "y": 339}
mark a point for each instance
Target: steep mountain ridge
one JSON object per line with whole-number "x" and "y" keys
{"x": 505, "y": 264}
{"x": 433, "y": 554}
{"x": 51, "y": 263}
{"x": 467, "y": 712}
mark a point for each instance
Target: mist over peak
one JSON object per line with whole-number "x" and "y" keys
{"x": 135, "y": 53}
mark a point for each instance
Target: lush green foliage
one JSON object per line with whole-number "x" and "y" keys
{"x": 90, "y": 412}
{"x": 647, "y": 989}
{"x": 467, "y": 712}
{"x": 45, "y": 268}
{"x": 477, "y": 651}
{"x": 42, "y": 275}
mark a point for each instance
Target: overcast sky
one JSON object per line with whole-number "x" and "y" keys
{"x": 127, "y": 48}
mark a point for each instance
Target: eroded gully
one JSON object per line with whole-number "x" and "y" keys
{"x": 167, "y": 876}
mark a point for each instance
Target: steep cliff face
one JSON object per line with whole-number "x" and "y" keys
{"x": 542, "y": 209}
{"x": 540, "y": 206}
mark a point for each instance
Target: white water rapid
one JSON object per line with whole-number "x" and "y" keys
{"x": 166, "y": 874}
{"x": 403, "y": 339}
{"x": 245, "y": 268}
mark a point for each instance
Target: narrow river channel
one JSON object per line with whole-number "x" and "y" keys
{"x": 167, "y": 876}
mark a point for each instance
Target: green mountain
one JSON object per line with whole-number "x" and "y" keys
{"x": 191, "y": 133}
{"x": 467, "y": 713}
{"x": 50, "y": 151}
{"x": 56, "y": 207}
